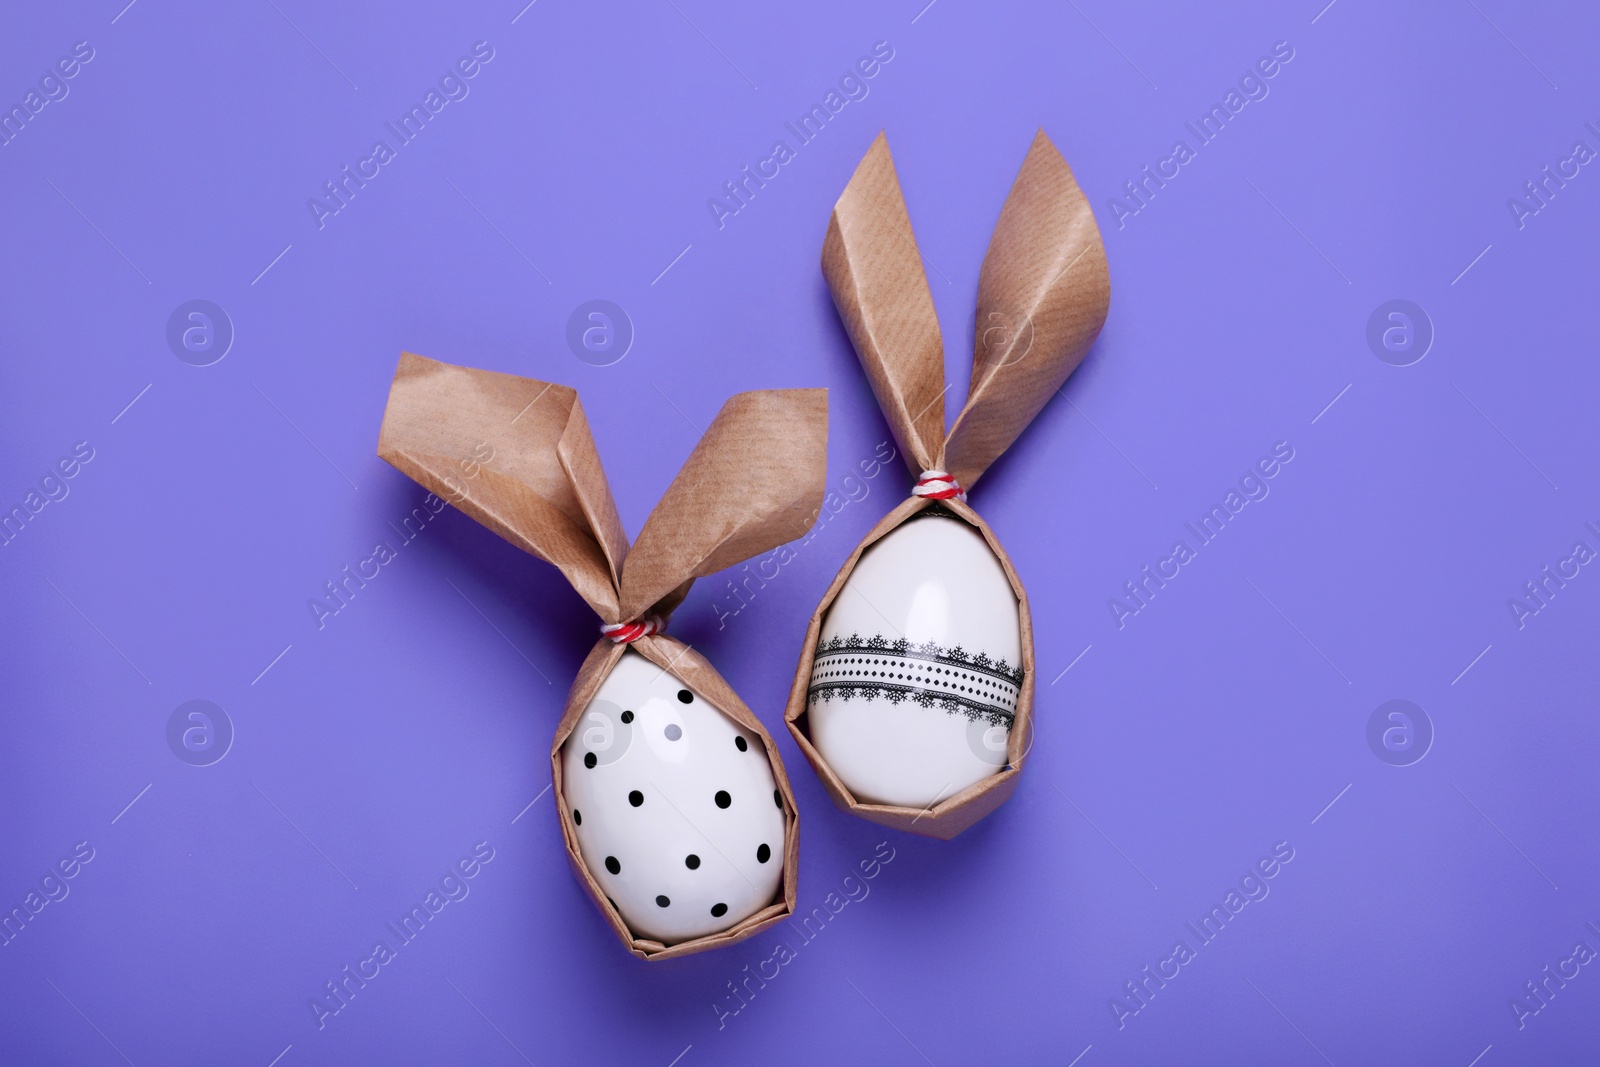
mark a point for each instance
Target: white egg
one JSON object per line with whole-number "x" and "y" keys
{"x": 914, "y": 687}
{"x": 675, "y": 808}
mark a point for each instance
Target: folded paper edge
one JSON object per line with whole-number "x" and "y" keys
{"x": 589, "y": 566}
{"x": 777, "y": 440}
{"x": 1045, "y": 283}
{"x": 902, "y": 371}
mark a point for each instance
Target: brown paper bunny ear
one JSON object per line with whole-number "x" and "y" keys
{"x": 516, "y": 455}
{"x": 1042, "y": 298}
{"x": 754, "y": 481}
{"x": 874, "y": 270}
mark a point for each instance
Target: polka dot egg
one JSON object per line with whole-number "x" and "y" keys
{"x": 675, "y": 808}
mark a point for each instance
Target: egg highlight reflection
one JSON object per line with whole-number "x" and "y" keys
{"x": 674, "y": 806}
{"x": 918, "y": 666}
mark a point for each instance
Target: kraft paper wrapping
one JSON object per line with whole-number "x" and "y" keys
{"x": 1043, "y": 293}
{"x": 517, "y": 455}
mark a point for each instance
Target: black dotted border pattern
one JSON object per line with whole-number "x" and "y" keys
{"x": 928, "y": 674}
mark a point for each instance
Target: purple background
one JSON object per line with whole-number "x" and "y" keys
{"x": 1227, "y": 716}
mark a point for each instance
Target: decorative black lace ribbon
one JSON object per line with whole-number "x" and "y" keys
{"x": 927, "y": 674}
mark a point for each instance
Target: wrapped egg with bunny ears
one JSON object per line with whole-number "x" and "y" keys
{"x": 914, "y": 693}
{"x": 675, "y": 809}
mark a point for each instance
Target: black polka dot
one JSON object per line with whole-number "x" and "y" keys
{"x": 719, "y": 910}
{"x": 590, "y": 759}
{"x": 777, "y": 798}
{"x": 723, "y": 799}
{"x": 763, "y": 854}
{"x": 663, "y": 902}
{"x": 742, "y": 743}
{"x": 691, "y": 861}
{"x": 612, "y": 903}
{"x": 627, "y": 716}
{"x": 684, "y": 696}
{"x": 612, "y": 865}
{"x": 577, "y": 817}
{"x": 636, "y": 798}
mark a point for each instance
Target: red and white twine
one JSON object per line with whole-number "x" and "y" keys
{"x": 938, "y": 485}
{"x": 627, "y": 632}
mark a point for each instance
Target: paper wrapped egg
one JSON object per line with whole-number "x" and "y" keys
{"x": 675, "y": 809}
{"x": 917, "y": 671}
{"x": 914, "y": 698}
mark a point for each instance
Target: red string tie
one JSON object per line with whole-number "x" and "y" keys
{"x": 938, "y": 485}
{"x": 624, "y": 633}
